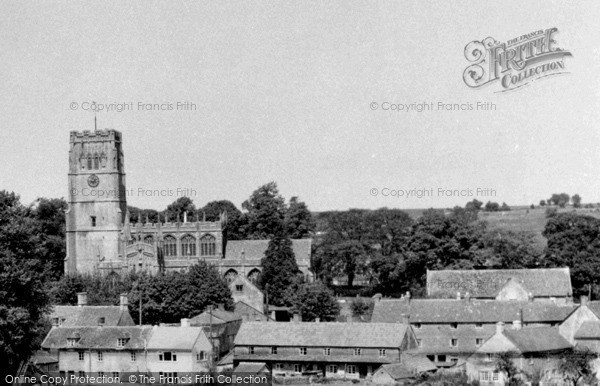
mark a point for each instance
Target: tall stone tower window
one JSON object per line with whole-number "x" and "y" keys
{"x": 89, "y": 162}
{"x": 188, "y": 245}
{"x": 93, "y": 220}
{"x": 96, "y": 162}
{"x": 208, "y": 245}
{"x": 170, "y": 246}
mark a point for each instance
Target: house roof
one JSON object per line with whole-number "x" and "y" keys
{"x": 89, "y": 315}
{"x": 218, "y": 317}
{"x": 537, "y": 339}
{"x": 436, "y": 339}
{"x": 255, "y": 249}
{"x": 227, "y": 359}
{"x": 385, "y": 335}
{"x": 250, "y": 367}
{"x": 418, "y": 362}
{"x": 97, "y": 337}
{"x": 42, "y": 357}
{"x": 594, "y": 306}
{"x": 589, "y": 330}
{"x": 544, "y": 282}
{"x": 398, "y": 371}
{"x": 467, "y": 311}
{"x": 174, "y": 338}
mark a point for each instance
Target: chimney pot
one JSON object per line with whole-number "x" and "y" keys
{"x": 317, "y": 320}
{"x": 185, "y": 322}
{"x": 82, "y": 299}
{"x": 517, "y": 325}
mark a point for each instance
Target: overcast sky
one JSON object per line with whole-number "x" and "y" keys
{"x": 283, "y": 92}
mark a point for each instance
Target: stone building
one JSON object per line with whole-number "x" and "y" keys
{"x": 101, "y": 237}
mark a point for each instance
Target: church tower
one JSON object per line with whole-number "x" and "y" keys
{"x": 97, "y": 201}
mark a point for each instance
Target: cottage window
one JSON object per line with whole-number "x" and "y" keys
{"x": 239, "y": 287}
{"x": 357, "y": 352}
{"x": 93, "y": 220}
{"x": 327, "y": 351}
{"x": 495, "y": 376}
{"x": 332, "y": 369}
{"x": 101, "y": 374}
{"x": 115, "y": 374}
{"x": 441, "y": 358}
{"x": 121, "y": 342}
{"x": 351, "y": 369}
{"x": 478, "y": 325}
{"x": 81, "y": 355}
{"x": 167, "y": 356}
{"x": 133, "y": 356}
{"x": 302, "y": 350}
{"x": 489, "y": 357}
{"x": 100, "y": 356}
{"x": 484, "y": 376}
{"x": 201, "y": 356}
{"x": 279, "y": 366}
{"x": 417, "y": 325}
{"x": 297, "y": 368}
{"x": 381, "y": 352}
{"x": 454, "y": 325}
{"x": 251, "y": 350}
{"x": 273, "y": 350}
{"x": 419, "y": 343}
{"x": 81, "y": 373}
{"x": 478, "y": 341}
{"x": 453, "y": 342}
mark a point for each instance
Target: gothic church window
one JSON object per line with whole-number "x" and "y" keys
{"x": 170, "y": 246}
{"x": 208, "y": 245}
{"x": 188, "y": 245}
{"x": 149, "y": 239}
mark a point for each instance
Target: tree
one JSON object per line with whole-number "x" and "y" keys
{"x": 22, "y": 310}
{"x": 344, "y": 258}
{"x": 560, "y": 199}
{"x": 576, "y": 365}
{"x": 315, "y": 300}
{"x": 177, "y": 208}
{"x": 474, "y": 205}
{"x": 574, "y": 241}
{"x": 504, "y": 207}
{"x": 513, "y": 250}
{"x": 279, "y": 269}
{"x": 542, "y": 202}
{"x": 505, "y": 365}
{"x": 576, "y": 200}
{"x": 49, "y": 217}
{"x": 492, "y": 207}
{"x": 265, "y": 212}
{"x": 361, "y": 307}
{"x": 298, "y": 220}
{"x": 235, "y": 228}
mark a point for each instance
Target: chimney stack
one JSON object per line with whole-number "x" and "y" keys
{"x": 458, "y": 295}
{"x": 185, "y": 322}
{"x": 499, "y": 327}
{"x": 530, "y": 297}
{"x": 82, "y": 299}
{"x": 405, "y": 318}
{"x": 221, "y": 306}
{"x": 517, "y": 325}
{"x": 297, "y": 318}
{"x": 123, "y": 302}
{"x": 468, "y": 297}
{"x": 317, "y": 320}
{"x": 583, "y": 300}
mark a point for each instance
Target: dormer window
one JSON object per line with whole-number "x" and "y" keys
{"x": 71, "y": 342}
{"x": 101, "y": 321}
{"x": 417, "y": 325}
{"x": 121, "y": 342}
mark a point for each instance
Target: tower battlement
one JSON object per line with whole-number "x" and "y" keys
{"x": 95, "y": 135}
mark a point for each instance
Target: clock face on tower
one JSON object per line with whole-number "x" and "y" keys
{"x": 93, "y": 180}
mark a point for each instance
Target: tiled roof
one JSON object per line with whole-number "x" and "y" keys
{"x": 588, "y": 330}
{"x": 467, "y": 311}
{"x": 227, "y": 359}
{"x": 398, "y": 371}
{"x": 174, "y": 338}
{"x": 89, "y": 315}
{"x": 537, "y": 339}
{"x": 385, "y": 335}
{"x": 594, "y": 306}
{"x": 218, "y": 317}
{"x": 42, "y": 357}
{"x": 546, "y": 282}
{"x": 97, "y": 337}
{"x": 250, "y": 367}
{"x": 255, "y": 249}
{"x": 437, "y": 339}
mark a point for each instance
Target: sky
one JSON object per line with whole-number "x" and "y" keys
{"x": 294, "y": 92}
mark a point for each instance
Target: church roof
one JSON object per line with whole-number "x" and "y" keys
{"x": 255, "y": 249}
{"x": 543, "y": 282}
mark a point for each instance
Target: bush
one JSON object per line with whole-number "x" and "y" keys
{"x": 361, "y": 307}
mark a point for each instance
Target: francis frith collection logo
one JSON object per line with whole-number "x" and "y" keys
{"x": 515, "y": 63}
